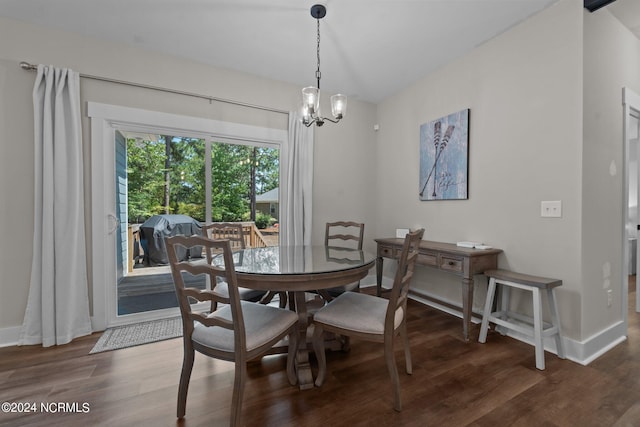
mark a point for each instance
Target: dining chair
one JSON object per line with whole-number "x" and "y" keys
{"x": 372, "y": 318}
{"x": 343, "y": 234}
{"x": 238, "y": 332}
{"x": 344, "y": 231}
{"x": 233, "y": 232}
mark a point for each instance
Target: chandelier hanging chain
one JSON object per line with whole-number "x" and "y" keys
{"x": 318, "y": 73}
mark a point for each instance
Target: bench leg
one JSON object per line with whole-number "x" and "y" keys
{"x": 505, "y": 296}
{"x": 555, "y": 321}
{"x": 487, "y": 311}
{"x": 537, "y": 329}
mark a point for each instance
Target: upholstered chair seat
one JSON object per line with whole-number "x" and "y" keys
{"x": 261, "y": 323}
{"x": 358, "y": 312}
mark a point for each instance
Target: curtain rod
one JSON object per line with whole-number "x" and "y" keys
{"x": 30, "y": 67}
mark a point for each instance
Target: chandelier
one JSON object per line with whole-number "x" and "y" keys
{"x": 311, "y": 94}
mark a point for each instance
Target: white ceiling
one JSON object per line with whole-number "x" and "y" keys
{"x": 370, "y": 49}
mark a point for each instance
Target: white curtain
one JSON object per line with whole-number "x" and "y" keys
{"x": 296, "y": 197}
{"x": 58, "y": 305}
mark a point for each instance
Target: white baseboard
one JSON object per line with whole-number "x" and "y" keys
{"x": 581, "y": 352}
{"x": 598, "y": 344}
{"x": 433, "y": 301}
{"x": 9, "y": 336}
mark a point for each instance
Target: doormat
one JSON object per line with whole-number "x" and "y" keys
{"x": 138, "y": 334}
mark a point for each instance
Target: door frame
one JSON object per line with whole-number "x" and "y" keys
{"x": 631, "y": 106}
{"x": 105, "y": 120}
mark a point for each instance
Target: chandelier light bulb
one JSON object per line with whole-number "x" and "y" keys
{"x": 338, "y": 105}
{"x": 311, "y": 99}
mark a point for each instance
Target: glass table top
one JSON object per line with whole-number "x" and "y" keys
{"x": 279, "y": 260}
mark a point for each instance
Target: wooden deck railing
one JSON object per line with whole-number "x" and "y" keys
{"x": 253, "y": 236}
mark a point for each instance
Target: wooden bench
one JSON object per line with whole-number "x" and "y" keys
{"x": 534, "y": 327}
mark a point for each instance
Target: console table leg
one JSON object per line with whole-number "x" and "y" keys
{"x": 467, "y": 302}
{"x": 379, "y": 262}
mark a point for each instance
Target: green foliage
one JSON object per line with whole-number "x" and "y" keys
{"x": 187, "y": 184}
{"x": 145, "y": 167}
{"x": 267, "y": 169}
{"x": 194, "y": 210}
{"x": 263, "y": 220}
{"x": 230, "y": 181}
{"x": 232, "y": 167}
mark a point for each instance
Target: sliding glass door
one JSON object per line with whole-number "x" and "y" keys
{"x": 171, "y": 184}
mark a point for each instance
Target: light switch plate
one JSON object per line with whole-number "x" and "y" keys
{"x": 551, "y": 208}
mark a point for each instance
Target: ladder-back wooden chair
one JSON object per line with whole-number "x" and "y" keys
{"x": 343, "y": 234}
{"x": 237, "y": 332}
{"x": 233, "y": 232}
{"x": 371, "y": 318}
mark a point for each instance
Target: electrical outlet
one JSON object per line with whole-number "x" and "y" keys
{"x": 551, "y": 209}
{"x": 609, "y": 297}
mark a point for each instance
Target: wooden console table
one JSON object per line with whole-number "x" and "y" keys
{"x": 448, "y": 257}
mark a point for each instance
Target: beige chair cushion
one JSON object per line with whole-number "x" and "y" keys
{"x": 357, "y": 312}
{"x": 262, "y": 323}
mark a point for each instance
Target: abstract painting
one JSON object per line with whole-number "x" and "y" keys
{"x": 444, "y": 158}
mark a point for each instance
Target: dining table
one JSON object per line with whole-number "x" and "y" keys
{"x": 298, "y": 270}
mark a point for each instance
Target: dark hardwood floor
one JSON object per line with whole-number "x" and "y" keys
{"x": 453, "y": 384}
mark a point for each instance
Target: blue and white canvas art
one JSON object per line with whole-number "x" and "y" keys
{"x": 444, "y": 158}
